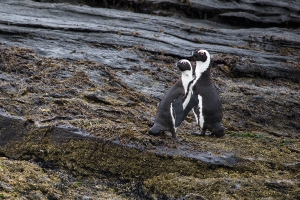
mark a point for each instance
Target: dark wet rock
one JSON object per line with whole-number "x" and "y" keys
{"x": 293, "y": 165}
{"x": 248, "y": 52}
{"x": 282, "y": 186}
{"x": 243, "y": 13}
{"x": 98, "y": 98}
{"x": 27, "y": 132}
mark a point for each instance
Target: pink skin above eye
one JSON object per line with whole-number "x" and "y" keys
{"x": 201, "y": 52}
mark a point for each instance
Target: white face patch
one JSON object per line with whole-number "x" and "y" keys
{"x": 202, "y": 66}
{"x": 186, "y": 76}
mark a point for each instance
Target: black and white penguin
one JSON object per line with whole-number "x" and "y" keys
{"x": 205, "y": 100}
{"x": 170, "y": 109}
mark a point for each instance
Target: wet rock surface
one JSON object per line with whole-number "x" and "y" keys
{"x": 80, "y": 86}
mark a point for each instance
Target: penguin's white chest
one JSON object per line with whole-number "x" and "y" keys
{"x": 187, "y": 99}
{"x": 187, "y": 84}
{"x": 201, "y": 118}
{"x": 173, "y": 117}
{"x": 199, "y": 114}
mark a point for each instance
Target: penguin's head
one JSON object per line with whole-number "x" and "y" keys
{"x": 184, "y": 65}
{"x": 200, "y": 55}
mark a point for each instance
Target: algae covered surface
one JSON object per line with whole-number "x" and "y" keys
{"x": 88, "y": 95}
{"x": 80, "y": 86}
{"x": 26, "y": 180}
{"x": 277, "y": 178}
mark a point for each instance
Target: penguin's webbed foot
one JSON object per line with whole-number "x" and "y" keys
{"x": 155, "y": 130}
{"x": 154, "y": 134}
{"x": 198, "y": 134}
{"x": 218, "y": 131}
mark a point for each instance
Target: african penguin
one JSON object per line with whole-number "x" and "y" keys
{"x": 205, "y": 100}
{"x": 170, "y": 109}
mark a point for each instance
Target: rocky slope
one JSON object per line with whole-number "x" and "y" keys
{"x": 80, "y": 86}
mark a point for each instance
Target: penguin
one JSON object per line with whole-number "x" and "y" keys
{"x": 205, "y": 100}
{"x": 170, "y": 109}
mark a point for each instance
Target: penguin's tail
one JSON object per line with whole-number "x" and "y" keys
{"x": 218, "y": 130}
{"x": 156, "y": 128}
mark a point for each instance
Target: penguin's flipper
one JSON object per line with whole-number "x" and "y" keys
{"x": 178, "y": 108}
{"x": 192, "y": 103}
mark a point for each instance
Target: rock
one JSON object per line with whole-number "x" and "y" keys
{"x": 243, "y": 13}
{"x": 282, "y": 186}
{"x": 260, "y": 50}
{"x": 59, "y": 136}
{"x": 80, "y": 86}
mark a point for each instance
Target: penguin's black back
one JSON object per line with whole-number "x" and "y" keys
{"x": 163, "y": 119}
